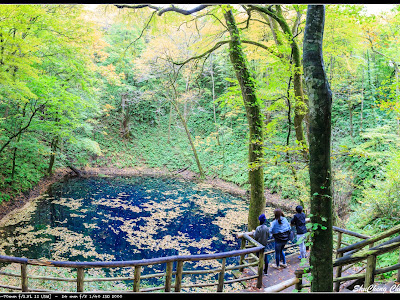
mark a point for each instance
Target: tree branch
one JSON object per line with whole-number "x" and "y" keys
{"x": 219, "y": 44}
{"x": 161, "y": 11}
{"x": 295, "y": 29}
{"x": 182, "y": 11}
{"x": 216, "y": 46}
{"x": 280, "y": 55}
{"x": 266, "y": 10}
{"x": 22, "y": 128}
{"x": 137, "y": 6}
{"x": 141, "y": 34}
{"x": 385, "y": 56}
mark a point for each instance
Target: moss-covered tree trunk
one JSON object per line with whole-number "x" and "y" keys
{"x": 320, "y": 101}
{"x": 255, "y": 120}
{"x": 300, "y": 108}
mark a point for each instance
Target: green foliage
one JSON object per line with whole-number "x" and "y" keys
{"x": 379, "y": 203}
{"x": 45, "y": 71}
{"x": 105, "y": 95}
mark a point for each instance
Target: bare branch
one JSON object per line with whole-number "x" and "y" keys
{"x": 280, "y": 55}
{"x": 182, "y": 11}
{"x": 141, "y": 34}
{"x": 137, "y": 6}
{"x": 217, "y": 45}
{"x": 210, "y": 14}
{"x": 161, "y": 11}
{"x": 248, "y": 11}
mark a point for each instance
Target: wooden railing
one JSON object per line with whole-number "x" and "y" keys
{"x": 349, "y": 255}
{"x": 339, "y": 242}
{"x": 251, "y": 234}
{"x": 281, "y": 286}
{"x": 253, "y": 248}
{"x": 354, "y": 253}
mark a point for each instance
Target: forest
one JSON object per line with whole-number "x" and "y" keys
{"x": 127, "y": 86}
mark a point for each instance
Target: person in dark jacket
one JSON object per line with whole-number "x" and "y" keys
{"x": 299, "y": 220}
{"x": 261, "y": 235}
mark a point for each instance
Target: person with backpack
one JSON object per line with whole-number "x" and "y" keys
{"x": 280, "y": 229}
{"x": 261, "y": 235}
{"x": 299, "y": 220}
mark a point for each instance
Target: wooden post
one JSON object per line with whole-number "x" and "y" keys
{"x": 369, "y": 272}
{"x": 398, "y": 271}
{"x": 242, "y": 246}
{"x": 80, "y": 274}
{"x": 136, "y": 279}
{"x": 338, "y": 255}
{"x": 299, "y": 275}
{"x": 168, "y": 276}
{"x": 260, "y": 268}
{"x": 339, "y": 240}
{"x": 338, "y": 273}
{"x": 24, "y": 278}
{"x": 221, "y": 276}
{"x": 178, "y": 276}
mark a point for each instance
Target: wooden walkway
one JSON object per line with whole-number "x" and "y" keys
{"x": 276, "y": 276}
{"x": 354, "y": 264}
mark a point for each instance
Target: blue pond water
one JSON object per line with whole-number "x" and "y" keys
{"x": 125, "y": 218}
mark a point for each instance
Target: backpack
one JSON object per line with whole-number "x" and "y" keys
{"x": 282, "y": 236}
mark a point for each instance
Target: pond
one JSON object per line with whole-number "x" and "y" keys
{"x": 125, "y": 218}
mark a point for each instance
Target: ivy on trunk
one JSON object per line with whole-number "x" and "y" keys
{"x": 254, "y": 118}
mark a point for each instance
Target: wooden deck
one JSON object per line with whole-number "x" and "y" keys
{"x": 276, "y": 276}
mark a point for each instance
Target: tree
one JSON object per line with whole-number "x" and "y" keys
{"x": 254, "y": 118}
{"x": 320, "y": 101}
{"x": 300, "y": 109}
{"x": 383, "y": 38}
{"x": 44, "y": 67}
{"x": 251, "y": 102}
{"x": 169, "y": 82}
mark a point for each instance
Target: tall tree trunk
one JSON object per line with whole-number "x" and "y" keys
{"x": 396, "y": 71}
{"x": 54, "y": 144}
{"x": 362, "y": 100}
{"x": 169, "y": 123}
{"x": 350, "y": 107}
{"x": 300, "y": 107}
{"x": 213, "y": 97}
{"x": 18, "y": 140}
{"x": 255, "y": 121}
{"x": 14, "y": 160}
{"x": 320, "y": 101}
{"x": 196, "y": 157}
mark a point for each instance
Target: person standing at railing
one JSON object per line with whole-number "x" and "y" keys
{"x": 280, "y": 229}
{"x": 299, "y": 220}
{"x": 261, "y": 235}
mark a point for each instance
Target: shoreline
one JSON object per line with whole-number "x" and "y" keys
{"x": 272, "y": 199}
{"x": 18, "y": 202}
